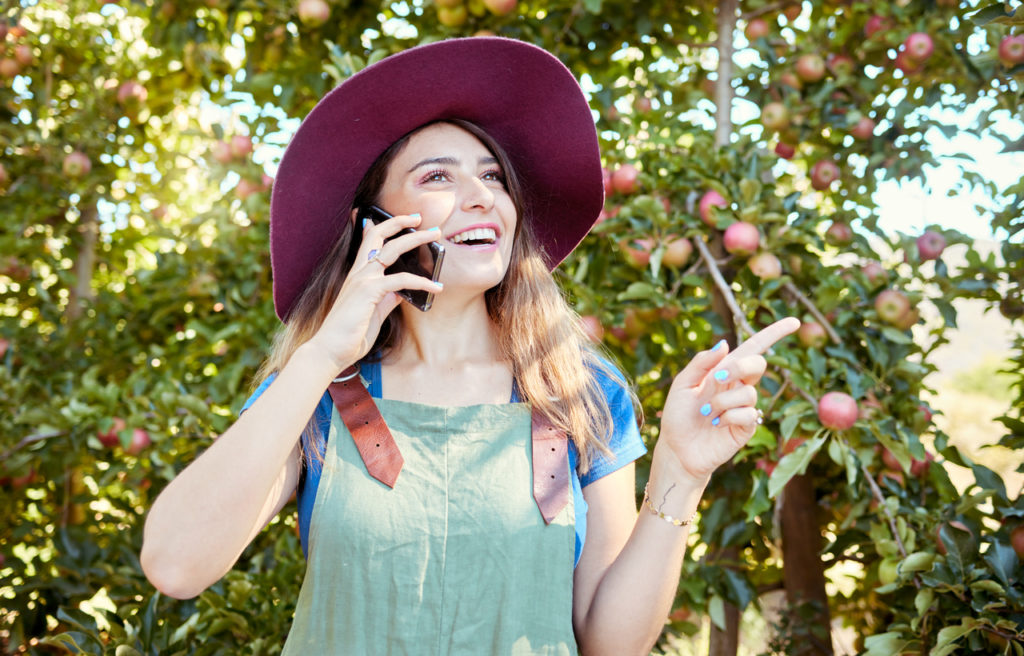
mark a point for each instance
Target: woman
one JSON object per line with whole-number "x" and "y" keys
{"x": 447, "y": 491}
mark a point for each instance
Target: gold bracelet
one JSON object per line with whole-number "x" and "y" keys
{"x": 668, "y": 518}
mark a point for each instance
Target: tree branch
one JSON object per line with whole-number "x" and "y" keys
{"x": 723, "y": 287}
{"x": 813, "y": 309}
{"x": 767, "y": 9}
{"x": 30, "y": 439}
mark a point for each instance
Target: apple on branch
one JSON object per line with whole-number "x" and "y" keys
{"x": 837, "y": 410}
{"x": 710, "y": 200}
{"x": 742, "y": 238}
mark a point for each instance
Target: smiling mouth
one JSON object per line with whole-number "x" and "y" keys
{"x": 475, "y": 237}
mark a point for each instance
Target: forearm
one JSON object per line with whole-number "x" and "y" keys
{"x": 205, "y": 517}
{"x": 635, "y": 595}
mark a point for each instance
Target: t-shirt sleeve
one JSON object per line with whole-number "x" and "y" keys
{"x": 625, "y": 442}
{"x": 257, "y": 392}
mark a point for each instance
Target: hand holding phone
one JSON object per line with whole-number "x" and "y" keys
{"x": 423, "y": 261}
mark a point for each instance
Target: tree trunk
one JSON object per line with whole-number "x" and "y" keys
{"x": 727, "y": 642}
{"x": 81, "y": 292}
{"x": 803, "y": 571}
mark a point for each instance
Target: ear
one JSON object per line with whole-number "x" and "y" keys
{"x": 355, "y": 213}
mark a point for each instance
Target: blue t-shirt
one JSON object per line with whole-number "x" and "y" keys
{"x": 625, "y": 444}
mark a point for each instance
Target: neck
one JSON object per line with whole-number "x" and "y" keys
{"x": 454, "y": 331}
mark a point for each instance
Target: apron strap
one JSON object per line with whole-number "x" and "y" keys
{"x": 383, "y": 460}
{"x": 369, "y": 432}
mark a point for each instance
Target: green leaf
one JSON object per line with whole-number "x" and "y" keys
{"x": 896, "y": 336}
{"x": 794, "y": 463}
{"x": 1003, "y": 560}
{"x": 716, "y": 610}
{"x": 919, "y": 561}
{"x": 885, "y": 644}
{"x": 923, "y": 600}
{"x": 738, "y": 587}
{"x": 990, "y": 13}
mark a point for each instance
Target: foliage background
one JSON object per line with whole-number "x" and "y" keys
{"x": 136, "y": 297}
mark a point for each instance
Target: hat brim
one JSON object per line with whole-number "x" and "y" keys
{"x": 521, "y": 95}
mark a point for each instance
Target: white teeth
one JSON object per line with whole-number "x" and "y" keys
{"x": 488, "y": 235}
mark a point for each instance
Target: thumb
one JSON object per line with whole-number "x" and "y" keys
{"x": 702, "y": 364}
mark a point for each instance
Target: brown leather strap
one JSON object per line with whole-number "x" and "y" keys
{"x": 383, "y": 461}
{"x": 377, "y": 447}
{"x": 550, "y": 467}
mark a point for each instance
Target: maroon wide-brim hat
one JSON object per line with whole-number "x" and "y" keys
{"x": 521, "y": 95}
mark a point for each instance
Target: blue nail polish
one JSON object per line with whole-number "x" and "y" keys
{"x": 716, "y": 421}
{"x": 440, "y": 284}
{"x": 717, "y": 346}
{"x": 705, "y": 409}
{"x": 721, "y": 375}
{"x": 415, "y": 216}
{"x": 434, "y": 229}
{"x": 365, "y": 223}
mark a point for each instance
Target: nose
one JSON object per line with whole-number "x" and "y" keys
{"x": 476, "y": 195}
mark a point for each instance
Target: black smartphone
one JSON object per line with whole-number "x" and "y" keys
{"x": 423, "y": 261}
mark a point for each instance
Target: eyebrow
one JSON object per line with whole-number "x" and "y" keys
{"x": 449, "y": 161}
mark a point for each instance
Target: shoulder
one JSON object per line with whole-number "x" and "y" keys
{"x": 625, "y": 443}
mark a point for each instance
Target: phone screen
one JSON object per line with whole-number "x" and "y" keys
{"x": 422, "y": 261}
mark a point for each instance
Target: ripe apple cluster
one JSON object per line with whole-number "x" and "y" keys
{"x": 110, "y": 438}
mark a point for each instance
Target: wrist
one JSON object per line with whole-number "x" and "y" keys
{"x": 317, "y": 362}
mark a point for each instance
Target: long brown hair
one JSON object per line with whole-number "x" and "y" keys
{"x": 554, "y": 365}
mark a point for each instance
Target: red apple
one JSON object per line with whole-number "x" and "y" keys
{"x": 837, "y": 411}
{"x": 709, "y": 200}
{"x": 742, "y": 238}
{"x": 131, "y": 93}
{"x": 892, "y": 305}
{"x": 930, "y": 245}
{"x": 784, "y": 150}
{"x": 500, "y": 7}
{"x": 775, "y": 116}
{"x": 919, "y": 468}
{"x": 864, "y": 129}
{"x": 823, "y": 174}
{"x": 9, "y": 68}
{"x": 766, "y": 465}
{"x": 638, "y": 252}
{"x": 812, "y": 334}
{"x": 810, "y": 68}
{"x": 841, "y": 65}
{"x": 919, "y": 47}
{"x": 76, "y": 164}
{"x": 109, "y": 438}
{"x": 765, "y": 266}
{"x": 790, "y": 79}
{"x": 642, "y": 105}
{"x": 839, "y": 234}
{"x": 756, "y": 29}
{"x": 591, "y": 325}
{"x": 908, "y": 320}
{"x": 792, "y": 444}
{"x": 875, "y": 24}
{"x": 1011, "y": 50}
{"x": 874, "y": 272}
{"x": 1017, "y": 541}
{"x": 677, "y": 251}
{"x": 140, "y": 441}
{"x": 313, "y": 13}
{"x": 624, "y": 179}
{"x": 23, "y": 53}
{"x": 246, "y": 188}
{"x": 222, "y": 152}
{"x": 792, "y": 12}
{"x": 890, "y": 461}
{"x": 241, "y": 146}
{"x": 906, "y": 64}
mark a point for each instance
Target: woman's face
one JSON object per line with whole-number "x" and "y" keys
{"x": 449, "y": 177}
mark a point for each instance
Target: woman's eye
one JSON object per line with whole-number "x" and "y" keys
{"x": 436, "y": 176}
{"x": 494, "y": 176}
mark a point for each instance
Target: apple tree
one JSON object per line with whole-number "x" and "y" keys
{"x": 744, "y": 145}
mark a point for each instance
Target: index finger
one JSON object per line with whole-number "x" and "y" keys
{"x": 763, "y": 339}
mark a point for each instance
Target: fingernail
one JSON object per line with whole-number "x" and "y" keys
{"x": 414, "y": 216}
{"x": 718, "y": 345}
{"x": 721, "y": 375}
{"x": 705, "y": 409}
{"x": 365, "y": 222}
{"x": 434, "y": 229}
{"x": 716, "y": 421}
{"x": 440, "y": 284}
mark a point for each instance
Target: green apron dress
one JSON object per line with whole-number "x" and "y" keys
{"x": 455, "y": 559}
